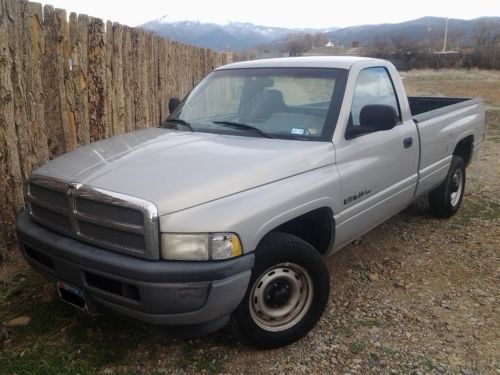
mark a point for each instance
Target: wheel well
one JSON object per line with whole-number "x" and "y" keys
{"x": 464, "y": 149}
{"x": 316, "y": 227}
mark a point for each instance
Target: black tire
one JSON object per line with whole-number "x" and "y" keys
{"x": 289, "y": 274}
{"x": 445, "y": 200}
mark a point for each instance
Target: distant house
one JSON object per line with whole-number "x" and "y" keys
{"x": 329, "y": 44}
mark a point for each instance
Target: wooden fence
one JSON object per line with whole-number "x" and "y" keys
{"x": 67, "y": 83}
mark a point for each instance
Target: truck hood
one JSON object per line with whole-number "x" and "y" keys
{"x": 176, "y": 169}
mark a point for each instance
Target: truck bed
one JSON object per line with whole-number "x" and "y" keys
{"x": 443, "y": 122}
{"x": 422, "y": 104}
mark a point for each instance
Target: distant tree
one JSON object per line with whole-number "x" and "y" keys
{"x": 435, "y": 40}
{"x": 299, "y": 43}
{"x": 320, "y": 40}
{"x": 296, "y": 47}
{"x": 403, "y": 44}
{"x": 455, "y": 39}
{"x": 380, "y": 46}
{"x": 308, "y": 41}
{"x": 487, "y": 43}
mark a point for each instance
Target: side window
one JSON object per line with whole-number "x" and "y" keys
{"x": 374, "y": 86}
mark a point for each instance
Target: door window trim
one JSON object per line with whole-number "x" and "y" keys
{"x": 400, "y": 118}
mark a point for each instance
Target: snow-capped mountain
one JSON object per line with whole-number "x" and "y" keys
{"x": 238, "y": 36}
{"x": 235, "y": 36}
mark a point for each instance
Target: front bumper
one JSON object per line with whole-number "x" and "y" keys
{"x": 160, "y": 292}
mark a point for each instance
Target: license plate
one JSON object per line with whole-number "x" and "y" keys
{"x": 72, "y": 295}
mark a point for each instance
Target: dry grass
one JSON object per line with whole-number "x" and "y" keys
{"x": 455, "y": 82}
{"x": 13, "y": 266}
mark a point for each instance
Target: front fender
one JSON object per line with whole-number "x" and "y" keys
{"x": 253, "y": 213}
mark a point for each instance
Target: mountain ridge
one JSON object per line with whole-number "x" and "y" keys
{"x": 239, "y": 36}
{"x": 235, "y": 36}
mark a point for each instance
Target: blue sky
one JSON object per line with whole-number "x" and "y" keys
{"x": 301, "y": 14}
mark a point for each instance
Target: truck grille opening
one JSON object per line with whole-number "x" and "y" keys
{"x": 54, "y": 198}
{"x": 113, "y": 236}
{"x": 72, "y": 299}
{"x": 109, "y": 212}
{"x": 51, "y": 217}
{"x": 112, "y": 286}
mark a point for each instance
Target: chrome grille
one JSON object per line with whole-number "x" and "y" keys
{"x": 109, "y": 212}
{"x": 110, "y": 220}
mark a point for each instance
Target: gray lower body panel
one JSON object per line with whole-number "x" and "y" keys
{"x": 154, "y": 292}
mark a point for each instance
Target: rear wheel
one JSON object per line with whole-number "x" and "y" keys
{"x": 287, "y": 293}
{"x": 447, "y": 198}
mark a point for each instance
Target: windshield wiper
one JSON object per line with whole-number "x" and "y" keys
{"x": 240, "y": 126}
{"x": 178, "y": 121}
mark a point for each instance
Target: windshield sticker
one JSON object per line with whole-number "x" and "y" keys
{"x": 297, "y": 131}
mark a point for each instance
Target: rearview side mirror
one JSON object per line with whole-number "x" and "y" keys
{"x": 373, "y": 118}
{"x": 173, "y": 102}
{"x": 378, "y": 117}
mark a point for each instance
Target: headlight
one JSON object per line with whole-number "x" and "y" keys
{"x": 202, "y": 246}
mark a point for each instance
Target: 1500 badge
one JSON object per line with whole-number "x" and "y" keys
{"x": 357, "y": 196}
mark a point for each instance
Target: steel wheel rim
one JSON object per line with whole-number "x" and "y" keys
{"x": 457, "y": 186}
{"x": 265, "y": 312}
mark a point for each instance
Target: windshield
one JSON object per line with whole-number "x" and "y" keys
{"x": 291, "y": 103}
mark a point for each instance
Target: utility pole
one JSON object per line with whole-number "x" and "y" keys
{"x": 445, "y": 35}
{"x": 429, "y": 39}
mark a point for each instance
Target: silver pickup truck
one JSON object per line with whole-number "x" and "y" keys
{"x": 227, "y": 211}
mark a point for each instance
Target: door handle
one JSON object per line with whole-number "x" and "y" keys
{"x": 408, "y": 142}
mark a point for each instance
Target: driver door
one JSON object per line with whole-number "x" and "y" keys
{"x": 378, "y": 170}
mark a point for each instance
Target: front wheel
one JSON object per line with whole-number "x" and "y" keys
{"x": 446, "y": 199}
{"x": 287, "y": 293}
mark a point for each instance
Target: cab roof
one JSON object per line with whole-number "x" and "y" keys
{"x": 337, "y": 62}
